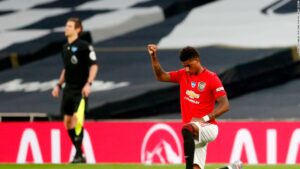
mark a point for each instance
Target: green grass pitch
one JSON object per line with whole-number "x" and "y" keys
{"x": 130, "y": 166}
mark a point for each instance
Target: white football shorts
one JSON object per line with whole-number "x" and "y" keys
{"x": 207, "y": 132}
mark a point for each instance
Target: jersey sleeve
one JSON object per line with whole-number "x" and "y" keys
{"x": 217, "y": 87}
{"x": 92, "y": 55}
{"x": 175, "y": 76}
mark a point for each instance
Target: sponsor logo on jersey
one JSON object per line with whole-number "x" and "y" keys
{"x": 192, "y": 94}
{"x": 201, "y": 86}
{"x": 161, "y": 144}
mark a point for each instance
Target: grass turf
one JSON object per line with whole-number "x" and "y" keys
{"x": 130, "y": 166}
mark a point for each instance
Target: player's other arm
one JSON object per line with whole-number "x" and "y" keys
{"x": 221, "y": 108}
{"x": 159, "y": 72}
{"x": 56, "y": 90}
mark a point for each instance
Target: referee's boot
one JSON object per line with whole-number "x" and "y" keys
{"x": 79, "y": 158}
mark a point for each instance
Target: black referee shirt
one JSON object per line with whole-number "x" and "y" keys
{"x": 78, "y": 57}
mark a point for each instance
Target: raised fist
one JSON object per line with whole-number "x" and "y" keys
{"x": 152, "y": 49}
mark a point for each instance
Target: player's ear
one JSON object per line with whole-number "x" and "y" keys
{"x": 78, "y": 30}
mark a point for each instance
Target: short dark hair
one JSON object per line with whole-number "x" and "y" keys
{"x": 187, "y": 53}
{"x": 78, "y": 23}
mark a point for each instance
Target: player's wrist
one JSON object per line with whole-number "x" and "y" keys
{"x": 206, "y": 118}
{"x": 89, "y": 83}
{"x": 59, "y": 85}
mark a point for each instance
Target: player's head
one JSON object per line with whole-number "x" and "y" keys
{"x": 190, "y": 60}
{"x": 73, "y": 27}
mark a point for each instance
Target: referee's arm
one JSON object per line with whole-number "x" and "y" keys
{"x": 92, "y": 75}
{"x": 56, "y": 90}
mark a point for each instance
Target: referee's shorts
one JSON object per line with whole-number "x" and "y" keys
{"x": 71, "y": 100}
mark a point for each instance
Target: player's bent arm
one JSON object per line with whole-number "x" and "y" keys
{"x": 221, "y": 108}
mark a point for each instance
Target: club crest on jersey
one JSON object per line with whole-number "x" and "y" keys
{"x": 74, "y": 59}
{"x": 193, "y": 84}
{"x": 201, "y": 86}
{"x": 74, "y": 49}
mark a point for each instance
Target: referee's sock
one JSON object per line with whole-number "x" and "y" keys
{"x": 76, "y": 140}
{"x": 189, "y": 146}
{"x": 71, "y": 133}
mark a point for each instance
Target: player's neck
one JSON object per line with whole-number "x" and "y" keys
{"x": 71, "y": 39}
{"x": 201, "y": 69}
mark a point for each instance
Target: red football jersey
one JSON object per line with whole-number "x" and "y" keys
{"x": 198, "y": 93}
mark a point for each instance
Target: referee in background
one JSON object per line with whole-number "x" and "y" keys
{"x": 78, "y": 74}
